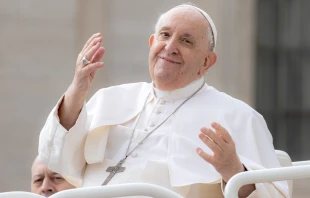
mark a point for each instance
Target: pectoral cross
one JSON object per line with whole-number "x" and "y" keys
{"x": 113, "y": 170}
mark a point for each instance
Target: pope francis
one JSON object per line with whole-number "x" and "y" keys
{"x": 176, "y": 132}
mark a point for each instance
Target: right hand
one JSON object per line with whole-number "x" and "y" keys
{"x": 75, "y": 96}
{"x": 85, "y": 74}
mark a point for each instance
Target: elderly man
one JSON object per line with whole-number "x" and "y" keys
{"x": 177, "y": 132}
{"x": 46, "y": 182}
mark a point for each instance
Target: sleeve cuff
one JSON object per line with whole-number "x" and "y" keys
{"x": 52, "y": 148}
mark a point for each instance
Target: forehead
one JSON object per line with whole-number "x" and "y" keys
{"x": 184, "y": 19}
{"x": 39, "y": 168}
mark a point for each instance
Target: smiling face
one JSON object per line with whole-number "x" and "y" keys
{"x": 46, "y": 182}
{"x": 179, "y": 49}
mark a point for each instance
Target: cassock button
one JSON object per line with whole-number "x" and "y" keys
{"x": 158, "y": 112}
{"x": 162, "y": 102}
{"x": 152, "y": 125}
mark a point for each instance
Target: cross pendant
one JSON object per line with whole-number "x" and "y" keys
{"x": 113, "y": 170}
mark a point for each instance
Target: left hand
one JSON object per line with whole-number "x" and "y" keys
{"x": 225, "y": 159}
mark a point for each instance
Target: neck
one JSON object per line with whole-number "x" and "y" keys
{"x": 176, "y": 94}
{"x": 172, "y": 86}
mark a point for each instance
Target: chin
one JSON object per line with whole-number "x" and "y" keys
{"x": 162, "y": 76}
{"x": 164, "y": 82}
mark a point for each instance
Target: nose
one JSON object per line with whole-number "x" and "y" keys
{"x": 47, "y": 188}
{"x": 172, "y": 46}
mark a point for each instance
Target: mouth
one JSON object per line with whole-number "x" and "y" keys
{"x": 169, "y": 60}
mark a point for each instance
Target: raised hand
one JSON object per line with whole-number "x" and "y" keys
{"x": 75, "y": 95}
{"x": 85, "y": 73}
{"x": 224, "y": 159}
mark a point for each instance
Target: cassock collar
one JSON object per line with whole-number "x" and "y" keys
{"x": 183, "y": 92}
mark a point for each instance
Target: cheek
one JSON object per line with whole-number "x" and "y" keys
{"x": 34, "y": 189}
{"x": 156, "y": 48}
{"x": 189, "y": 70}
{"x": 192, "y": 63}
{"x": 64, "y": 186}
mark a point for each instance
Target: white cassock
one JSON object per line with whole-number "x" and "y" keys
{"x": 168, "y": 157}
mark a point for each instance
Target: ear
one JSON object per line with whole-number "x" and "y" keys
{"x": 208, "y": 62}
{"x": 151, "y": 40}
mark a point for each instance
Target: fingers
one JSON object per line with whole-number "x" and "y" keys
{"x": 205, "y": 156}
{"x": 90, "y": 47}
{"x": 98, "y": 55}
{"x": 213, "y": 136}
{"x": 89, "y": 55}
{"x": 222, "y": 132}
{"x": 211, "y": 143}
{"x": 92, "y": 68}
{"x": 90, "y": 40}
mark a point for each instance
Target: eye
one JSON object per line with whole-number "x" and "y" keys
{"x": 186, "y": 41}
{"x": 38, "y": 180}
{"x": 164, "y": 34}
{"x": 58, "y": 178}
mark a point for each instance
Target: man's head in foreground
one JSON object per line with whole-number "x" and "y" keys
{"x": 46, "y": 182}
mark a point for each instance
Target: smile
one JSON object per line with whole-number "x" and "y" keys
{"x": 169, "y": 60}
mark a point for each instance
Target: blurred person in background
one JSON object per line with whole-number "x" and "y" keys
{"x": 177, "y": 132}
{"x": 46, "y": 182}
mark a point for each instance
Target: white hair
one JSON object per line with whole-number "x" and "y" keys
{"x": 210, "y": 31}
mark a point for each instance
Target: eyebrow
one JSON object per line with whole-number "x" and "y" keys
{"x": 42, "y": 175}
{"x": 38, "y": 175}
{"x": 165, "y": 28}
{"x": 54, "y": 173}
{"x": 169, "y": 28}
